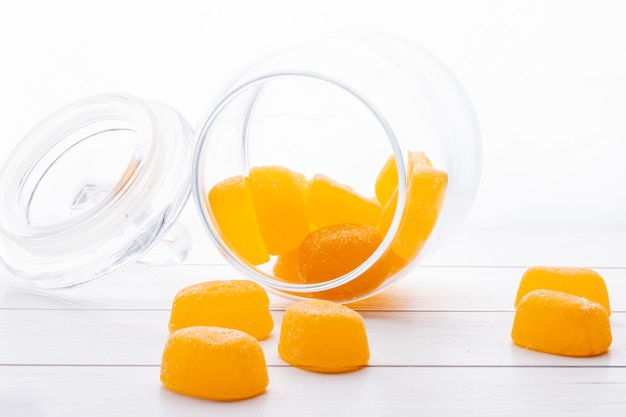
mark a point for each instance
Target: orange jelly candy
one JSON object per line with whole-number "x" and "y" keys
{"x": 236, "y": 304}
{"x": 214, "y": 363}
{"x": 425, "y": 194}
{"x": 582, "y": 282}
{"x": 322, "y": 336}
{"x": 287, "y": 265}
{"x": 335, "y": 250}
{"x": 387, "y": 180}
{"x": 562, "y": 324}
{"x": 231, "y": 203}
{"x": 330, "y": 202}
{"x": 279, "y": 196}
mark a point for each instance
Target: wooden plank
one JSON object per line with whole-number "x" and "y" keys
{"x": 475, "y": 391}
{"x": 471, "y": 289}
{"x": 439, "y": 342}
{"x": 425, "y": 289}
{"x": 496, "y": 247}
{"x": 126, "y": 337}
{"x": 527, "y": 247}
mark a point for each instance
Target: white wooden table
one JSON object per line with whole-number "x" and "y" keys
{"x": 439, "y": 339}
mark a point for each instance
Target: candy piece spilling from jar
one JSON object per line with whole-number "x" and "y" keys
{"x": 322, "y": 336}
{"x": 231, "y": 204}
{"x": 562, "y": 324}
{"x": 333, "y": 251}
{"x": 214, "y": 363}
{"x": 279, "y": 198}
{"x": 235, "y": 304}
{"x": 330, "y": 202}
{"x": 582, "y": 282}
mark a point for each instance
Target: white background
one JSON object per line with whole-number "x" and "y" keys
{"x": 547, "y": 79}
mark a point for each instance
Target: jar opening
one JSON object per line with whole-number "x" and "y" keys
{"x": 305, "y": 121}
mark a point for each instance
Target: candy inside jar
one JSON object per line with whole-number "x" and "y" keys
{"x": 334, "y": 166}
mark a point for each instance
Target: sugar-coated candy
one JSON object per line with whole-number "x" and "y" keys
{"x": 320, "y": 229}
{"x": 387, "y": 179}
{"x": 214, "y": 363}
{"x": 230, "y": 202}
{"x": 279, "y": 197}
{"x": 335, "y": 250}
{"x": 583, "y": 282}
{"x": 425, "y": 194}
{"x": 322, "y": 336}
{"x": 330, "y": 202}
{"x": 235, "y": 304}
{"x": 332, "y": 251}
{"x": 562, "y": 324}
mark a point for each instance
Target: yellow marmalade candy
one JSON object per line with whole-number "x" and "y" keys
{"x": 426, "y": 190}
{"x": 335, "y": 250}
{"x": 387, "y": 180}
{"x": 214, "y": 363}
{"x": 330, "y": 202}
{"x": 322, "y": 336}
{"x": 562, "y": 324}
{"x": 231, "y": 204}
{"x": 583, "y": 282}
{"x": 235, "y": 304}
{"x": 279, "y": 198}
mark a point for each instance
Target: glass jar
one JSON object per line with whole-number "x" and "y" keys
{"x": 309, "y": 134}
{"x": 92, "y": 188}
{"x": 335, "y": 165}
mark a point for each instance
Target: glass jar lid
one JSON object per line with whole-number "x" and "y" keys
{"x": 92, "y": 188}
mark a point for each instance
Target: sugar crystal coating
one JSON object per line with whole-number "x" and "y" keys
{"x": 332, "y": 251}
{"x": 562, "y": 324}
{"x": 322, "y": 336}
{"x": 583, "y": 282}
{"x": 335, "y": 250}
{"x": 230, "y": 202}
{"x": 330, "y": 202}
{"x": 214, "y": 363}
{"x": 235, "y": 304}
{"x": 279, "y": 195}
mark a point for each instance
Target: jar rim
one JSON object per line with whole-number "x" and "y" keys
{"x": 200, "y": 192}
